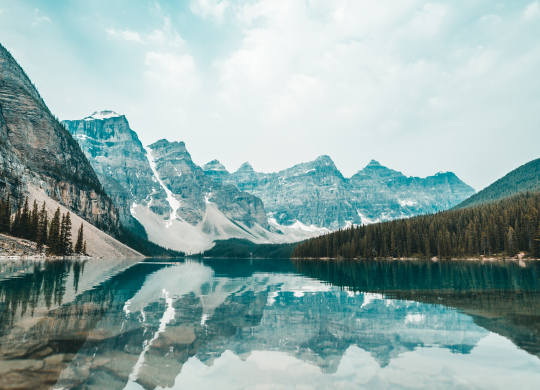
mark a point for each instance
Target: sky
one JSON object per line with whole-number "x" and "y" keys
{"x": 419, "y": 86}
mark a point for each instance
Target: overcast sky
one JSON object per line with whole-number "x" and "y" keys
{"x": 419, "y": 86}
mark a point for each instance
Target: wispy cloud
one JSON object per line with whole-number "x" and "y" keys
{"x": 40, "y": 18}
{"x": 124, "y": 34}
{"x": 210, "y": 9}
{"x": 165, "y": 36}
{"x": 532, "y": 10}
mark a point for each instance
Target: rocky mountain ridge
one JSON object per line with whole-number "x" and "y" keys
{"x": 316, "y": 195}
{"x": 177, "y": 203}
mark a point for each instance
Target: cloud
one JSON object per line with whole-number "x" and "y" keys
{"x": 125, "y": 34}
{"x": 532, "y": 10}
{"x": 210, "y": 9}
{"x": 172, "y": 70}
{"x": 165, "y": 36}
{"x": 40, "y": 18}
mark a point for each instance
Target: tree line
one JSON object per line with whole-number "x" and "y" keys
{"x": 503, "y": 228}
{"x": 238, "y": 248}
{"x": 34, "y": 225}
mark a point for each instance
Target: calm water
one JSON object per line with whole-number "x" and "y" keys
{"x": 269, "y": 324}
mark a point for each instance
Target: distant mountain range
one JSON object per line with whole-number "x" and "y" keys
{"x": 179, "y": 205}
{"x": 317, "y": 195}
{"x": 186, "y": 207}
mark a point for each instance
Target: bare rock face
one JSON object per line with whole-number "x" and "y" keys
{"x": 118, "y": 157}
{"x": 194, "y": 189}
{"x": 316, "y": 193}
{"x": 162, "y": 176}
{"x": 36, "y": 149}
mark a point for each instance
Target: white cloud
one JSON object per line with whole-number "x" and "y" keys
{"x": 172, "y": 71}
{"x": 532, "y": 10}
{"x": 125, "y": 34}
{"x": 40, "y": 18}
{"x": 165, "y": 36}
{"x": 209, "y": 9}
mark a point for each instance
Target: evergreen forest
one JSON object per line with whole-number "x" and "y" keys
{"x": 34, "y": 225}
{"x": 242, "y": 249}
{"x": 498, "y": 229}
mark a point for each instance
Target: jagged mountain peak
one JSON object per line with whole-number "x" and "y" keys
{"x": 100, "y": 115}
{"x": 324, "y": 160}
{"x": 214, "y": 165}
{"x": 245, "y": 167}
{"x": 374, "y": 163}
{"x": 170, "y": 146}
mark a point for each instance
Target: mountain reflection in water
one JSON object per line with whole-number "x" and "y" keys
{"x": 114, "y": 324}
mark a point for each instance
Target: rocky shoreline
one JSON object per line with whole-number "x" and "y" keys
{"x": 19, "y": 248}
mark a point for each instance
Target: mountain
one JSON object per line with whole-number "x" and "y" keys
{"x": 522, "y": 179}
{"x": 178, "y": 205}
{"x": 38, "y": 155}
{"x": 316, "y": 195}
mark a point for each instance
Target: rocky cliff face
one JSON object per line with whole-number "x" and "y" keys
{"x": 118, "y": 157}
{"x": 177, "y": 203}
{"x": 315, "y": 194}
{"x": 36, "y": 150}
{"x": 195, "y": 190}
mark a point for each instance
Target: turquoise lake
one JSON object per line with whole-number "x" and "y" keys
{"x": 269, "y": 324}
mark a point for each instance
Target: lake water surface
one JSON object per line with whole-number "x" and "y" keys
{"x": 269, "y": 324}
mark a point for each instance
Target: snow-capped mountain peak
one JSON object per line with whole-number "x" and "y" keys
{"x": 106, "y": 114}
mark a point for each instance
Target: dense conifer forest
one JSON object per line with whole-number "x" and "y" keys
{"x": 520, "y": 180}
{"x": 503, "y": 228}
{"x": 242, "y": 249}
{"x": 144, "y": 246}
{"x": 33, "y": 225}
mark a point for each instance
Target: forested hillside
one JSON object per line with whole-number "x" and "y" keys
{"x": 523, "y": 179}
{"x": 242, "y": 249}
{"x": 502, "y": 228}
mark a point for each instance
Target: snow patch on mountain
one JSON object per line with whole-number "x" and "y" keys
{"x": 100, "y": 115}
{"x": 300, "y": 226}
{"x": 173, "y": 202}
{"x": 407, "y": 202}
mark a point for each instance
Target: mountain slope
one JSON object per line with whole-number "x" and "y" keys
{"x": 522, "y": 179}
{"x": 37, "y": 151}
{"x": 315, "y": 195}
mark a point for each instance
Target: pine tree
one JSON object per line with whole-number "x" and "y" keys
{"x": 5, "y": 215}
{"x": 16, "y": 224}
{"x": 512, "y": 244}
{"x": 84, "y": 248}
{"x": 427, "y": 249}
{"x": 536, "y": 243}
{"x": 53, "y": 241}
{"x": 42, "y": 228}
{"x": 24, "y": 224}
{"x": 67, "y": 245}
{"x": 393, "y": 248}
{"x": 79, "y": 243}
{"x": 62, "y": 238}
{"x": 34, "y": 222}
